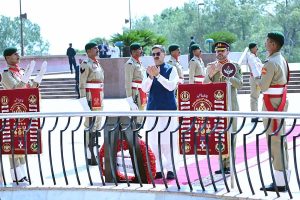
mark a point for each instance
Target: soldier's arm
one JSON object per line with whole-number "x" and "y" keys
{"x": 192, "y": 68}
{"x": 84, "y": 72}
{"x": 237, "y": 79}
{"x": 9, "y": 82}
{"x": 129, "y": 70}
{"x": 267, "y": 74}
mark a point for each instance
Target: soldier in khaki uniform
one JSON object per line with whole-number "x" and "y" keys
{"x": 255, "y": 66}
{"x": 91, "y": 87}
{"x": 273, "y": 83}
{"x": 196, "y": 66}
{"x": 174, "y": 51}
{"x": 14, "y": 77}
{"x": 134, "y": 74}
{"x": 214, "y": 75}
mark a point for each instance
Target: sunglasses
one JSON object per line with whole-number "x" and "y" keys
{"x": 156, "y": 54}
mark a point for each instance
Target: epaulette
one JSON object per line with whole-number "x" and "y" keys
{"x": 192, "y": 59}
{"x": 6, "y": 70}
{"x": 265, "y": 61}
{"x": 85, "y": 62}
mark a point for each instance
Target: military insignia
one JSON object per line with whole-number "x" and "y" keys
{"x": 185, "y": 96}
{"x": 202, "y": 104}
{"x": 228, "y": 70}
{"x": 6, "y": 147}
{"x": 264, "y": 71}
{"x": 220, "y": 147}
{"x": 4, "y": 100}
{"x": 219, "y": 95}
{"x": 187, "y": 147}
{"x": 34, "y": 147}
{"x": 32, "y": 99}
{"x": 82, "y": 70}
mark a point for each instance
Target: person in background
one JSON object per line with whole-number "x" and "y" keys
{"x": 71, "y": 55}
{"x": 174, "y": 51}
{"x": 196, "y": 66}
{"x": 161, "y": 84}
{"x": 190, "y": 50}
{"x": 91, "y": 90}
{"x": 115, "y": 51}
{"x": 255, "y": 66}
{"x": 13, "y": 78}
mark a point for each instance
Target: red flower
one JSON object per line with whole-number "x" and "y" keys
{"x": 120, "y": 175}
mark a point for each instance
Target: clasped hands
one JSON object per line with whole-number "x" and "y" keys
{"x": 153, "y": 71}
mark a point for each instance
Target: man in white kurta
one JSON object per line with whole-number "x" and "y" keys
{"x": 161, "y": 84}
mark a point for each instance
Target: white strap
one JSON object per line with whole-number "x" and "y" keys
{"x": 136, "y": 85}
{"x": 274, "y": 91}
{"x": 197, "y": 79}
{"x": 94, "y": 85}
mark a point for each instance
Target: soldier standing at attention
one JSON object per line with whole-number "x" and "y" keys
{"x": 134, "y": 74}
{"x": 196, "y": 66}
{"x": 12, "y": 78}
{"x": 273, "y": 84}
{"x": 255, "y": 66}
{"x": 91, "y": 87}
{"x": 214, "y": 75}
{"x": 174, "y": 51}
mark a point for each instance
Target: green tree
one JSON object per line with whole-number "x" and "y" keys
{"x": 145, "y": 37}
{"x": 10, "y": 36}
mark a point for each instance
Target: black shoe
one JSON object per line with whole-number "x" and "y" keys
{"x": 170, "y": 175}
{"x": 271, "y": 188}
{"x": 158, "y": 175}
{"x": 24, "y": 179}
{"x": 92, "y": 162}
{"x": 255, "y": 120}
{"x": 226, "y": 171}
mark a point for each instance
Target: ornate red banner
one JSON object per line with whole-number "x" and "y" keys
{"x": 202, "y": 97}
{"x": 16, "y": 101}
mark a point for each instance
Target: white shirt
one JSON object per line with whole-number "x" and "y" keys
{"x": 254, "y": 64}
{"x": 115, "y": 52}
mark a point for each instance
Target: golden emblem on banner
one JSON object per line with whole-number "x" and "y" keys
{"x": 202, "y": 105}
{"x": 34, "y": 147}
{"x": 4, "y": 100}
{"x": 185, "y": 96}
{"x": 32, "y": 99}
{"x": 219, "y": 95}
{"x": 6, "y": 147}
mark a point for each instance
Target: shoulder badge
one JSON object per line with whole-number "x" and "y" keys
{"x": 265, "y": 61}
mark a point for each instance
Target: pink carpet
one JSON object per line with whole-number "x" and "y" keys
{"x": 251, "y": 152}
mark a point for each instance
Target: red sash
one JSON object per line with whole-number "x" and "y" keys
{"x": 267, "y": 100}
{"x": 136, "y": 85}
{"x": 95, "y": 88}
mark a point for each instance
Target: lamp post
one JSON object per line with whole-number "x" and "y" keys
{"x": 129, "y": 15}
{"x": 22, "y": 16}
{"x": 200, "y": 3}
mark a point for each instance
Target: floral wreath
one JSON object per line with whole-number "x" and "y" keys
{"x": 142, "y": 144}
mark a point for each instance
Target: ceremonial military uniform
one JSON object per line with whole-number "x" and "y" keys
{"x": 196, "y": 67}
{"x": 134, "y": 74}
{"x": 12, "y": 78}
{"x": 273, "y": 83}
{"x": 236, "y": 83}
{"x": 91, "y": 85}
{"x": 175, "y": 62}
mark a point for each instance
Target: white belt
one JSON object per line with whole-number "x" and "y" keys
{"x": 274, "y": 91}
{"x": 136, "y": 85}
{"x": 197, "y": 79}
{"x": 94, "y": 85}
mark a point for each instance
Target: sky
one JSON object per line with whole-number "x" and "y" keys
{"x": 77, "y": 21}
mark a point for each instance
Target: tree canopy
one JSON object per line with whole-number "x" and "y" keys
{"x": 10, "y": 36}
{"x": 247, "y": 21}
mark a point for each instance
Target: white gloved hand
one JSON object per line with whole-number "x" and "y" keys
{"x": 132, "y": 105}
{"x": 41, "y": 73}
{"x": 28, "y": 72}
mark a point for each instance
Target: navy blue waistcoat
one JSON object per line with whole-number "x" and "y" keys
{"x": 159, "y": 97}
